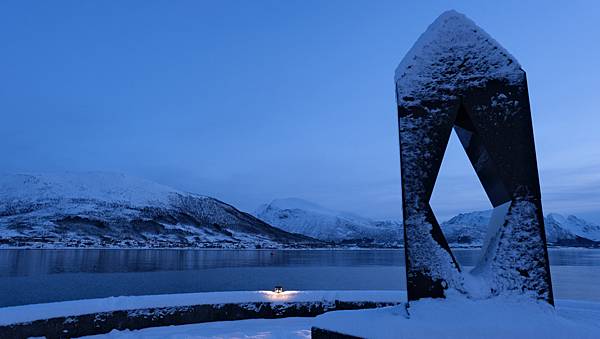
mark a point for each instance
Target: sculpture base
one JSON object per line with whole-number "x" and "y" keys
{"x": 320, "y": 333}
{"x": 460, "y": 317}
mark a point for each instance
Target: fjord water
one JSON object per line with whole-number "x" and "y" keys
{"x": 30, "y": 276}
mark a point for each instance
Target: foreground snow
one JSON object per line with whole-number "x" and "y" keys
{"x": 459, "y": 317}
{"x": 253, "y": 328}
{"x": 455, "y": 317}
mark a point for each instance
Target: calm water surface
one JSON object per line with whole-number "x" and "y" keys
{"x": 35, "y": 276}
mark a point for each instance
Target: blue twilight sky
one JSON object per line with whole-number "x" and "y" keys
{"x": 249, "y": 101}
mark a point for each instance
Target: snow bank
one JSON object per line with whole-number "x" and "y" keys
{"x": 26, "y": 313}
{"x": 253, "y": 328}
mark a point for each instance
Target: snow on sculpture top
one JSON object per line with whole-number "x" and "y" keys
{"x": 452, "y": 53}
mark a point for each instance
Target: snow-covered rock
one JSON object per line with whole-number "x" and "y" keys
{"x": 108, "y": 209}
{"x": 304, "y": 217}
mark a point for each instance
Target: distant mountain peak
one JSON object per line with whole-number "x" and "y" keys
{"x": 296, "y": 203}
{"x": 556, "y": 216}
{"x": 305, "y": 205}
{"x": 311, "y": 219}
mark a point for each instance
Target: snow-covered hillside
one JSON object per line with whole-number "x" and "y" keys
{"x": 466, "y": 229}
{"x": 304, "y": 217}
{"x": 108, "y": 209}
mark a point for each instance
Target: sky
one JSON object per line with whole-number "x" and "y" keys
{"x": 249, "y": 101}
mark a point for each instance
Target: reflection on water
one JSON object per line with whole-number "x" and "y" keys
{"x": 39, "y": 262}
{"x": 31, "y": 276}
{"x": 36, "y": 262}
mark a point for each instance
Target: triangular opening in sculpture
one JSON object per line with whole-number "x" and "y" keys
{"x": 459, "y": 202}
{"x": 487, "y": 187}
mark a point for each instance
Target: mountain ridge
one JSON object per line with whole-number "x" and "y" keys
{"x": 329, "y": 225}
{"x": 101, "y": 209}
{"x": 465, "y": 229}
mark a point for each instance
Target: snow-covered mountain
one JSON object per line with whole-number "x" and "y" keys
{"x": 466, "y": 229}
{"x": 471, "y": 229}
{"x": 108, "y": 209}
{"x": 113, "y": 210}
{"x": 304, "y": 217}
{"x": 570, "y": 230}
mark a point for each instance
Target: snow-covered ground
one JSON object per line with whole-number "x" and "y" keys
{"x": 287, "y": 328}
{"x": 459, "y": 317}
{"x": 455, "y": 317}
